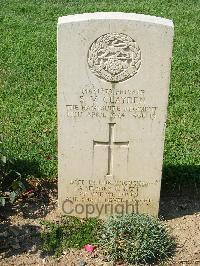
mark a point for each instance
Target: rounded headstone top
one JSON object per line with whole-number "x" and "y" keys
{"x": 115, "y": 15}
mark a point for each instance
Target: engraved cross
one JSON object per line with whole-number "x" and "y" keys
{"x": 111, "y": 143}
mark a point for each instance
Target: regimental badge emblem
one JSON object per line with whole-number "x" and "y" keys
{"x": 114, "y": 57}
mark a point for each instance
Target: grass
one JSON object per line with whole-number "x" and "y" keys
{"x": 28, "y": 80}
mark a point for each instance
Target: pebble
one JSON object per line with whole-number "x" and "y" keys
{"x": 3, "y": 254}
{"x": 64, "y": 252}
{"x": 82, "y": 263}
{"x": 108, "y": 263}
{"x": 33, "y": 249}
{"x": 103, "y": 236}
{"x": 20, "y": 214}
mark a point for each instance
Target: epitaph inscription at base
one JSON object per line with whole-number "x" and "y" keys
{"x": 113, "y": 81}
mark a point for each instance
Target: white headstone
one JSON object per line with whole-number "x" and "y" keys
{"x": 113, "y": 82}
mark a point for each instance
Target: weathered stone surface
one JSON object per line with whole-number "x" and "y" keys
{"x": 113, "y": 82}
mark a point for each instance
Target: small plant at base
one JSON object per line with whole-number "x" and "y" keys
{"x": 71, "y": 232}
{"x": 136, "y": 238}
{"x": 11, "y": 185}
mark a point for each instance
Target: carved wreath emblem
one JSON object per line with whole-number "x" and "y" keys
{"x": 114, "y": 57}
